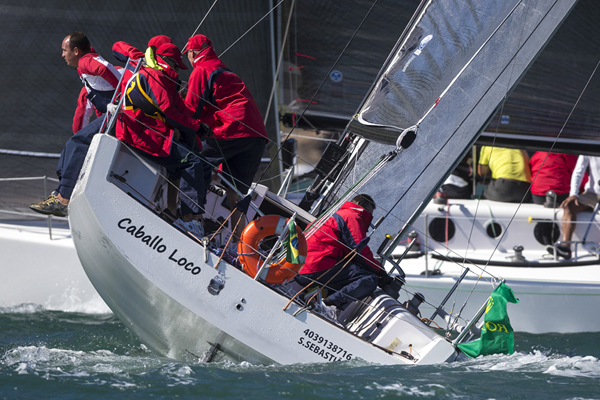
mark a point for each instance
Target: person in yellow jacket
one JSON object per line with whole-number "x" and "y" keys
{"x": 510, "y": 173}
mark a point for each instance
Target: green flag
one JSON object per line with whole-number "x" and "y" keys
{"x": 497, "y": 335}
{"x": 291, "y": 244}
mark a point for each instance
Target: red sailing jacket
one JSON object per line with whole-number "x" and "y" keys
{"x": 337, "y": 237}
{"x": 211, "y": 84}
{"x": 122, "y": 52}
{"x": 555, "y": 174}
{"x": 100, "y": 79}
{"x": 154, "y": 134}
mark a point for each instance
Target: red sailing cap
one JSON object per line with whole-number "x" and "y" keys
{"x": 156, "y": 41}
{"x": 198, "y": 42}
{"x": 170, "y": 50}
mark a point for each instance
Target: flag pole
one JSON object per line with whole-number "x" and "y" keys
{"x": 468, "y": 327}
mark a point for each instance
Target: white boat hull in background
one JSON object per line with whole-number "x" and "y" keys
{"x": 40, "y": 270}
{"x": 555, "y": 295}
{"x": 544, "y": 306}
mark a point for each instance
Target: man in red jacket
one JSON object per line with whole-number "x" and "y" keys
{"x": 339, "y": 258}
{"x": 220, "y": 99}
{"x": 551, "y": 171}
{"x": 156, "y": 120}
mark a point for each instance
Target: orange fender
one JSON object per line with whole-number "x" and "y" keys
{"x": 257, "y": 231}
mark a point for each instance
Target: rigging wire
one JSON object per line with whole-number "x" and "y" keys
{"x": 321, "y": 285}
{"x": 321, "y": 84}
{"x": 549, "y": 150}
{"x": 478, "y": 203}
{"x": 158, "y": 172}
{"x": 208, "y": 102}
{"x": 432, "y": 107}
{"x": 261, "y": 179}
{"x": 390, "y": 212}
{"x": 558, "y": 135}
{"x": 212, "y": 166}
{"x": 139, "y": 157}
{"x": 252, "y": 27}
{"x": 279, "y": 61}
{"x": 351, "y": 190}
{"x": 533, "y": 179}
{"x": 200, "y": 24}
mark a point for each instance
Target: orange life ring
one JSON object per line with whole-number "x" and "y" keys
{"x": 254, "y": 233}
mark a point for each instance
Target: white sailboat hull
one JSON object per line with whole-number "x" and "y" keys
{"x": 157, "y": 282}
{"x": 544, "y": 306}
{"x": 43, "y": 270}
{"x": 555, "y": 295}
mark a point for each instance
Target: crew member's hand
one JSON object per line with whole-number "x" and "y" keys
{"x": 111, "y": 108}
{"x": 569, "y": 200}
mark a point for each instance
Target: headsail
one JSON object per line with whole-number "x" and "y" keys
{"x": 447, "y": 75}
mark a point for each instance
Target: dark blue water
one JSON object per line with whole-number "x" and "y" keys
{"x": 66, "y": 355}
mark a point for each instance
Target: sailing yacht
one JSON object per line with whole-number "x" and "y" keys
{"x": 185, "y": 299}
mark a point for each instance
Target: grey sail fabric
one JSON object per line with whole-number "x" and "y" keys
{"x": 531, "y": 118}
{"x": 447, "y": 76}
{"x": 444, "y": 40}
{"x": 318, "y": 34}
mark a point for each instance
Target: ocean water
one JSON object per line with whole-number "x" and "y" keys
{"x": 50, "y": 354}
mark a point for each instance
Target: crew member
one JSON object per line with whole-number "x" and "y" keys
{"x": 339, "y": 258}
{"x": 577, "y": 202}
{"x": 220, "y": 99}
{"x": 100, "y": 78}
{"x": 511, "y": 176}
{"x": 156, "y": 120}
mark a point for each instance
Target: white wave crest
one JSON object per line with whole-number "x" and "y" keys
{"x": 26, "y": 308}
{"x": 427, "y": 391}
{"x": 68, "y": 302}
{"x": 60, "y": 362}
{"x": 576, "y": 367}
{"x": 537, "y": 361}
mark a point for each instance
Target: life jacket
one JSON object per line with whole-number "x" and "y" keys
{"x": 139, "y": 96}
